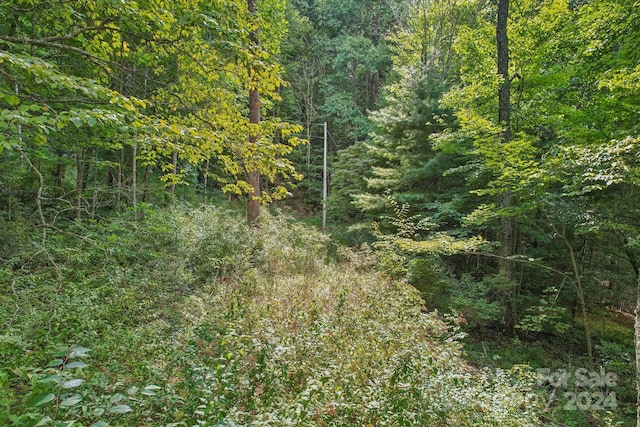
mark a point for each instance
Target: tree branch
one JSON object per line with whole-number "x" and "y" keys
{"x": 104, "y": 25}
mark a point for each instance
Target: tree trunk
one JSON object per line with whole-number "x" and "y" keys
{"x": 145, "y": 192}
{"x": 9, "y": 191}
{"x": 60, "y": 168}
{"x": 504, "y": 93}
{"x": 174, "y": 163}
{"x": 119, "y": 178}
{"x": 507, "y": 223}
{"x": 253, "y": 176}
{"x": 636, "y": 338}
{"x": 579, "y": 287}
{"x": 508, "y": 226}
{"x": 582, "y": 300}
{"x": 206, "y": 181}
{"x": 637, "y": 346}
{"x": 94, "y": 196}
{"x": 79, "y": 182}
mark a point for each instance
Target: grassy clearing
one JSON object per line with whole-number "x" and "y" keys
{"x": 192, "y": 318}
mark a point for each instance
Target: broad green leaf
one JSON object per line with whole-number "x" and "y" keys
{"x": 54, "y": 378}
{"x": 40, "y": 139}
{"x": 100, "y": 424}
{"x": 77, "y": 121}
{"x": 150, "y": 390}
{"x": 71, "y": 401}
{"x": 55, "y": 363}
{"x": 12, "y": 100}
{"x": 78, "y": 352}
{"x": 44, "y": 421}
{"x": 41, "y": 400}
{"x": 72, "y": 383}
{"x": 120, "y": 409}
{"x": 116, "y": 398}
{"x": 75, "y": 364}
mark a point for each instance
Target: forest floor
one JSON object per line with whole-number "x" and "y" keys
{"x": 190, "y": 317}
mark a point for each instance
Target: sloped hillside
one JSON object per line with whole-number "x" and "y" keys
{"x": 192, "y": 318}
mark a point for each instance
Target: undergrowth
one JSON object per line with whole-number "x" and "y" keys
{"x": 193, "y": 318}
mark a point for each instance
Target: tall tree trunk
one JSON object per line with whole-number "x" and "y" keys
{"x": 636, "y": 338}
{"x": 60, "y": 168}
{"x": 308, "y": 93}
{"x": 507, "y": 223}
{"x": 119, "y": 178}
{"x": 9, "y": 190}
{"x": 507, "y": 237}
{"x": 253, "y": 176}
{"x": 637, "y": 346}
{"x": 577, "y": 274}
{"x": 94, "y": 196}
{"x": 206, "y": 180}
{"x": 504, "y": 94}
{"x": 145, "y": 192}
{"x": 174, "y": 163}
{"x": 581, "y": 298}
{"x": 79, "y": 182}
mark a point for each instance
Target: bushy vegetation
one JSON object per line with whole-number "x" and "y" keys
{"x": 190, "y": 317}
{"x": 504, "y": 134}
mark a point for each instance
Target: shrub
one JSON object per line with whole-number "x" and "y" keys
{"x": 194, "y": 318}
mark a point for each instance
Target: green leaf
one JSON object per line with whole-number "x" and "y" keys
{"x": 78, "y": 352}
{"x": 54, "y": 378}
{"x": 76, "y": 364}
{"x": 55, "y": 363}
{"x": 120, "y": 409}
{"x": 41, "y": 400}
{"x": 72, "y": 383}
{"x": 100, "y": 424}
{"x": 44, "y": 421}
{"x": 12, "y": 100}
{"x": 149, "y": 390}
{"x": 77, "y": 121}
{"x": 40, "y": 139}
{"x": 116, "y": 398}
{"x": 71, "y": 401}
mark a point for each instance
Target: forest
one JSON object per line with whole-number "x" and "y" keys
{"x": 319, "y": 213}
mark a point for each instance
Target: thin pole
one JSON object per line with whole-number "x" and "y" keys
{"x": 324, "y": 181}
{"x": 134, "y": 181}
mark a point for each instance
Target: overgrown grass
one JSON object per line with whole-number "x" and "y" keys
{"x": 193, "y": 318}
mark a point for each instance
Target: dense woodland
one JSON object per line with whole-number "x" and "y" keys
{"x": 161, "y": 193}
